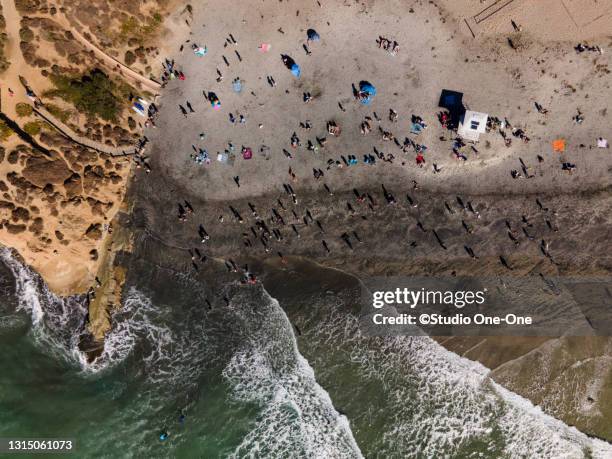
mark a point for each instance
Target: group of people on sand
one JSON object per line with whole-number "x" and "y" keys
{"x": 582, "y": 47}
{"x": 170, "y": 72}
{"x": 201, "y": 156}
{"x": 284, "y": 220}
{"x": 390, "y": 46}
{"x": 140, "y": 158}
{"x": 267, "y": 231}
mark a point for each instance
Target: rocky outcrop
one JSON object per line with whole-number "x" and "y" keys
{"x": 40, "y": 171}
{"x": 55, "y": 209}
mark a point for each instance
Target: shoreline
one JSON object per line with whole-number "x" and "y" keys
{"x": 470, "y": 219}
{"x": 532, "y": 416}
{"x": 296, "y": 302}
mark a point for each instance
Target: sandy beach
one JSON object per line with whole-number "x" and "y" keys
{"x": 510, "y": 217}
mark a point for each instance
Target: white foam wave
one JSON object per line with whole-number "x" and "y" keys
{"x": 438, "y": 403}
{"x": 10, "y": 322}
{"x": 55, "y": 320}
{"x": 134, "y": 322}
{"x": 297, "y": 417}
{"x": 168, "y": 356}
{"x": 57, "y": 325}
{"x": 26, "y": 287}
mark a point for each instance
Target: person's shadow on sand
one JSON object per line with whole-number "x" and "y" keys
{"x": 288, "y": 61}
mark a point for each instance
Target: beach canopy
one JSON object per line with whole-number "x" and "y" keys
{"x": 295, "y": 69}
{"x": 367, "y": 87}
{"x": 140, "y": 106}
{"x": 559, "y": 145}
{"x": 291, "y": 65}
{"x": 313, "y": 35}
{"x": 138, "y": 109}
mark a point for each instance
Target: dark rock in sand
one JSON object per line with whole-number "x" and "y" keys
{"x": 40, "y": 171}
{"x": 94, "y": 231}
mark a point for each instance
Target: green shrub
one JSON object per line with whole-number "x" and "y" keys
{"x": 129, "y": 26}
{"x": 33, "y": 127}
{"x": 23, "y": 109}
{"x": 129, "y": 58}
{"x": 93, "y": 94}
{"x": 59, "y": 113}
{"x": 4, "y": 63}
{"x": 5, "y": 131}
{"x": 133, "y": 29}
{"x": 27, "y": 6}
{"x": 26, "y": 34}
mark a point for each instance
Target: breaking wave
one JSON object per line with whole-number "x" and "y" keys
{"x": 56, "y": 322}
{"x": 134, "y": 323}
{"x": 297, "y": 417}
{"x": 167, "y": 352}
{"x": 437, "y": 403}
{"x": 432, "y": 402}
{"x": 139, "y": 326}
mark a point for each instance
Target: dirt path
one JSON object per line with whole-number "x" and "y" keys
{"x": 76, "y": 138}
{"x": 20, "y": 67}
{"x": 110, "y": 61}
{"x": 10, "y": 78}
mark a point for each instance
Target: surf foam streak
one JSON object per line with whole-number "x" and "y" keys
{"x": 297, "y": 417}
{"x": 437, "y": 403}
{"x": 27, "y": 288}
{"x": 131, "y": 324}
{"x": 168, "y": 355}
{"x": 56, "y": 322}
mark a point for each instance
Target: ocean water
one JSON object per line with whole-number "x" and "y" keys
{"x": 249, "y": 385}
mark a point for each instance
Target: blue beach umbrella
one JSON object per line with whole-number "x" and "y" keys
{"x": 367, "y": 91}
{"x": 367, "y": 88}
{"x": 295, "y": 69}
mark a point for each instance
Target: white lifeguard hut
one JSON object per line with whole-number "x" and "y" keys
{"x": 472, "y": 124}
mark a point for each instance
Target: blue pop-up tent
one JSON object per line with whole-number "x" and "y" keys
{"x": 295, "y": 69}
{"x": 368, "y": 90}
{"x": 312, "y": 35}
